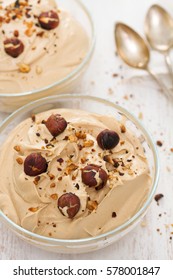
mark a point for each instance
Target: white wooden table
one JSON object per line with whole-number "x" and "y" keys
{"x": 140, "y": 95}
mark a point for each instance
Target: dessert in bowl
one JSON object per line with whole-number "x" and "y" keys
{"x": 76, "y": 180}
{"x": 45, "y": 47}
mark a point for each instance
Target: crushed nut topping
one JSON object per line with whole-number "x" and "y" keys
{"x": 33, "y": 209}
{"x": 54, "y": 196}
{"x": 92, "y": 205}
{"x": 19, "y": 160}
{"x": 17, "y": 148}
{"x": 24, "y": 68}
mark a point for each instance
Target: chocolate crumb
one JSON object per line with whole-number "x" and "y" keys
{"x": 38, "y": 134}
{"x": 159, "y": 143}
{"x": 114, "y": 75}
{"x": 60, "y": 160}
{"x": 77, "y": 186}
{"x": 33, "y": 118}
{"x": 114, "y": 214}
{"x": 158, "y": 197}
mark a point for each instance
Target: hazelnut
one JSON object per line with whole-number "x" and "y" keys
{"x": 94, "y": 176}
{"x": 56, "y": 124}
{"x": 48, "y": 20}
{"x": 35, "y": 164}
{"x": 108, "y": 139}
{"x": 13, "y": 47}
{"x": 69, "y": 205}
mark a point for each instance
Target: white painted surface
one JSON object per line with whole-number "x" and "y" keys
{"x": 138, "y": 95}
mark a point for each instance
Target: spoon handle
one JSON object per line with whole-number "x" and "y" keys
{"x": 160, "y": 83}
{"x": 169, "y": 64}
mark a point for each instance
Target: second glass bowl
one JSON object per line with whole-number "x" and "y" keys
{"x": 12, "y": 101}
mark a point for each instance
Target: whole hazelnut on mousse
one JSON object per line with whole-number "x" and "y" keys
{"x": 35, "y": 165}
{"x": 56, "y": 124}
{"x": 94, "y": 176}
{"x": 48, "y": 20}
{"x": 69, "y": 205}
{"x": 108, "y": 139}
{"x": 13, "y": 47}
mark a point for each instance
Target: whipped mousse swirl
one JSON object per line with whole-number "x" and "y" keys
{"x": 71, "y": 174}
{"x": 40, "y": 44}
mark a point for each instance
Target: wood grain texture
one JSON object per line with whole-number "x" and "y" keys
{"x": 141, "y": 96}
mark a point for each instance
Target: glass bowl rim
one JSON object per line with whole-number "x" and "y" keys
{"x": 133, "y": 219}
{"x": 71, "y": 74}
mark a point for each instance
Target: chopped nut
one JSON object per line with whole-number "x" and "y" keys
{"x": 52, "y": 185}
{"x": 33, "y": 209}
{"x": 24, "y": 68}
{"x": 140, "y": 116}
{"x": 80, "y": 135}
{"x": 16, "y": 33}
{"x": 17, "y": 148}
{"x": 83, "y": 160}
{"x": 88, "y": 143}
{"x": 29, "y": 24}
{"x": 36, "y": 180}
{"x": 123, "y": 128}
{"x": 39, "y": 70}
{"x": 51, "y": 176}
{"x": 130, "y": 172}
{"x": 71, "y": 168}
{"x": 29, "y": 32}
{"x": 33, "y": 117}
{"x": 72, "y": 138}
{"x": 54, "y": 196}
{"x": 40, "y": 34}
{"x": 92, "y": 205}
{"x": 19, "y": 160}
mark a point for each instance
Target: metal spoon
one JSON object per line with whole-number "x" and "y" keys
{"x": 134, "y": 51}
{"x": 159, "y": 32}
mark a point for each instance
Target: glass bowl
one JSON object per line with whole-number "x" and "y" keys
{"x": 12, "y": 101}
{"x": 93, "y": 105}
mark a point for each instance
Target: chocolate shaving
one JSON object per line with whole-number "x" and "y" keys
{"x": 158, "y": 197}
{"x": 159, "y": 143}
{"x": 17, "y": 4}
{"x": 114, "y": 214}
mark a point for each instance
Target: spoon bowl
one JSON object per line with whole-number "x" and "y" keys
{"x": 159, "y": 33}
{"x": 159, "y": 28}
{"x": 133, "y": 50}
{"x": 131, "y": 47}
